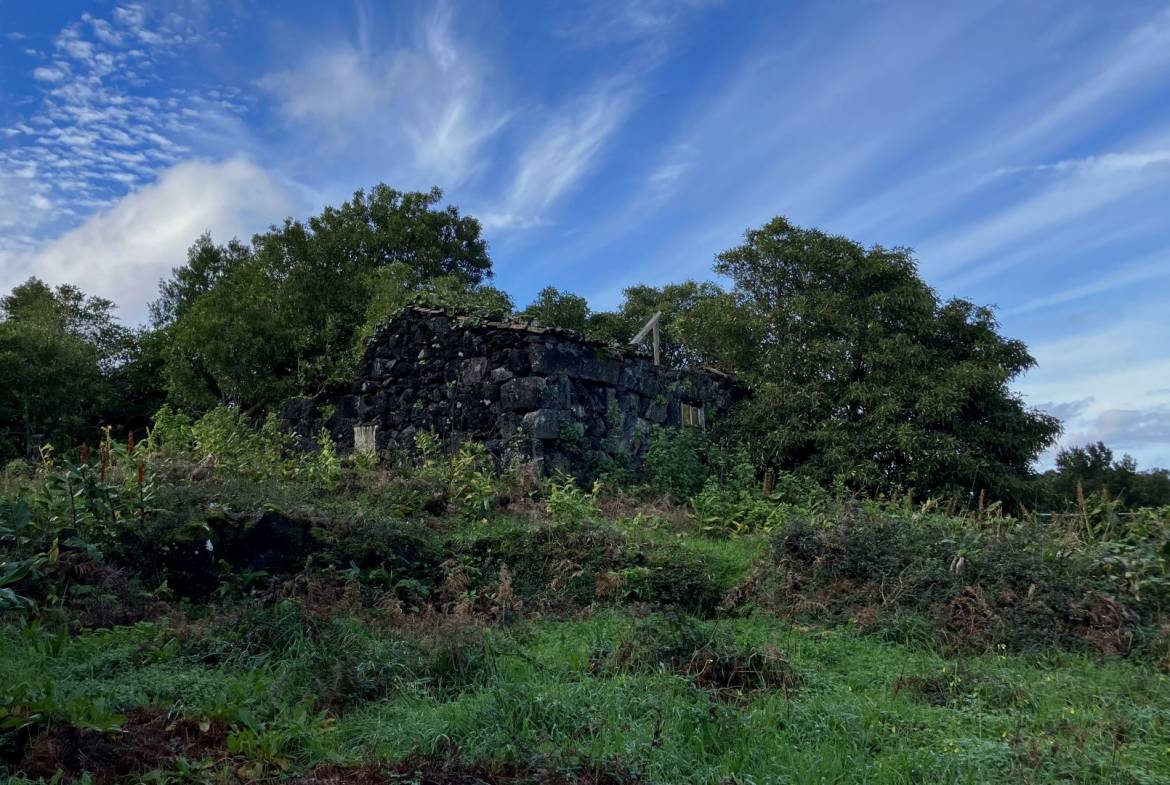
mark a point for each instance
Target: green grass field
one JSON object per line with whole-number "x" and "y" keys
{"x": 299, "y": 689}
{"x": 552, "y": 643}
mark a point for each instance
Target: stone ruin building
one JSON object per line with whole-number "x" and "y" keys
{"x": 549, "y": 394}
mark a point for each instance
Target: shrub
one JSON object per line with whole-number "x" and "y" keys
{"x": 1015, "y": 583}
{"x": 321, "y": 469}
{"x": 676, "y": 461}
{"x": 673, "y": 578}
{"x": 389, "y": 554}
{"x": 704, "y": 652}
{"x": 171, "y": 434}
{"x": 569, "y": 505}
{"x": 226, "y": 440}
{"x": 472, "y": 481}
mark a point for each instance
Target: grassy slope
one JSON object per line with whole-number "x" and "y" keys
{"x": 865, "y": 711}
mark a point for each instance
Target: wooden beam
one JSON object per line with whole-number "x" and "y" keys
{"x": 651, "y": 325}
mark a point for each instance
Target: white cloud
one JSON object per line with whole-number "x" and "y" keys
{"x": 666, "y": 176}
{"x": 27, "y": 204}
{"x": 122, "y": 252}
{"x": 55, "y": 73}
{"x": 628, "y": 21}
{"x": 432, "y": 99}
{"x": 1143, "y": 54}
{"x": 1109, "y": 163}
{"x": 1112, "y": 381}
{"x": 103, "y": 30}
{"x": 1083, "y": 95}
{"x": 329, "y": 90}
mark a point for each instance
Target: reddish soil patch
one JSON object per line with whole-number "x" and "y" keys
{"x": 146, "y": 741}
{"x": 453, "y": 772}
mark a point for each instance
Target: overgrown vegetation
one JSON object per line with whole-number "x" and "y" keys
{"x": 201, "y": 606}
{"x": 846, "y": 580}
{"x": 859, "y": 373}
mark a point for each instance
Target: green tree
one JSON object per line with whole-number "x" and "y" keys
{"x": 1093, "y": 469}
{"x": 681, "y": 341}
{"x": 1091, "y": 466}
{"x": 237, "y": 343}
{"x": 250, "y": 324}
{"x": 859, "y": 371}
{"x": 554, "y": 308}
{"x": 137, "y": 382}
{"x": 207, "y": 265}
{"x": 57, "y": 351}
{"x": 68, "y": 311}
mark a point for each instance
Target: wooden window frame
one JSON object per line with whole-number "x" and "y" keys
{"x": 692, "y": 415}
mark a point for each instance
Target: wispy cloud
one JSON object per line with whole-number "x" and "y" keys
{"x": 1084, "y": 95}
{"x": 632, "y": 21}
{"x": 571, "y": 137}
{"x": 1129, "y": 66}
{"x": 561, "y": 153}
{"x": 1109, "y": 163}
{"x": 1077, "y": 188}
{"x": 1151, "y": 268}
{"x": 666, "y": 176}
{"x": 431, "y": 100}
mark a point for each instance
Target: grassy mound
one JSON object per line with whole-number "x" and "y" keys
{"x": 440, "y": 623}
{"x": 1019, "y": 586}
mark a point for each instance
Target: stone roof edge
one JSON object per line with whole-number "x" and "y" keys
{"x": 533, "y": 328}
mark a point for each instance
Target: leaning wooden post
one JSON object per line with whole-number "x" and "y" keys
{"x": 650, "y": 326}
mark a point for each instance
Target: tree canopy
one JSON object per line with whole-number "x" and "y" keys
{"x": 1090, "y": 470}
{"x": 58, "y": 351}
{"x": 253, "y": 323}
{"x": 859, "y": 371}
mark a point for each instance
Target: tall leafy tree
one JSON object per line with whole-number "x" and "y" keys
{"x": 207, "y": 264}
{"x": 253, "y": 323}
{"x": 859, "y": 371}
{"x": 58, "y": 349}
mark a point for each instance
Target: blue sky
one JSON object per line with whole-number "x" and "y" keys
{"x": 1021, "y": 148}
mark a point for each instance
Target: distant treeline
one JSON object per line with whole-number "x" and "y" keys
{"x": 860, "y": 374}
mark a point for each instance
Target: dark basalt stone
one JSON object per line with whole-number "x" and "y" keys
{"x": 562, "y": 399}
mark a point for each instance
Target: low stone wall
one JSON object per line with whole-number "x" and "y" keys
{"x": 550, "y": 394}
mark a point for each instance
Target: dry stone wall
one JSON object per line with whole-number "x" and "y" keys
{"x": 573, "y": 404}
